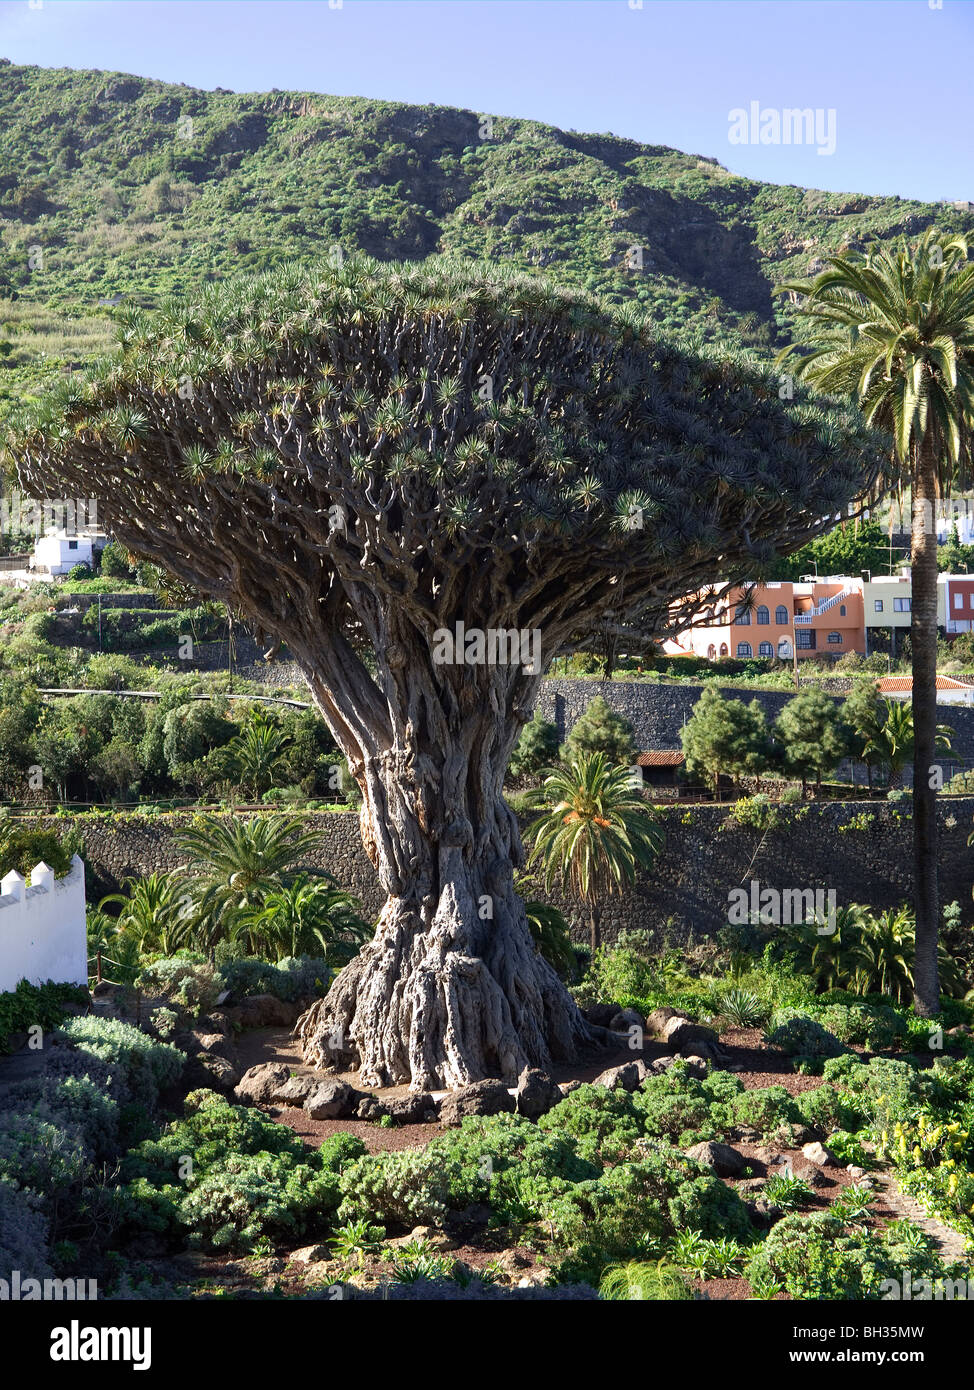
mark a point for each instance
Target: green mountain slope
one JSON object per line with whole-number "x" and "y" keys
{"x": 116, "y": 185}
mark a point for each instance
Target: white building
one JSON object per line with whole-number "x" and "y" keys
{"x": 59, "y": 551}
{"x": 43, "y": 935}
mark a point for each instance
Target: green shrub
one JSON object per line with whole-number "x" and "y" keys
{"x": 827, "y": 1108}
{"x": 143, "y": 1066}
{"x": 800, "y": 1036}
{"x": 404, "y": 1187}
{"x": 42, "y": 1005}
{"x": 814, "y": 1259}
{"x": 23, "y": 1234}
{"x": 604, "y": 1124}
{"x": 186, "y": 979}
{"x": 293, "y": 977}
{"x": 40, "y": 1157}
{"x": 770, "y": 1110}
{"x": 247, "y": 1178}
{"x": 79, "y": 1104}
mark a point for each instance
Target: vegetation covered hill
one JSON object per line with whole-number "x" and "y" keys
{"x": 113, "y": 185}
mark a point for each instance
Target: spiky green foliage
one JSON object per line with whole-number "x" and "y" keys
{"x": 494, "y": 411}
{"x": 598, "y": 831}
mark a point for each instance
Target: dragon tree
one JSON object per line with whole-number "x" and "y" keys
{"x": 428, "y": 481}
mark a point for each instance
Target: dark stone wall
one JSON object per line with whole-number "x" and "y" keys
{"x": 829, "y": 846}
{"x": 658, "y": 712}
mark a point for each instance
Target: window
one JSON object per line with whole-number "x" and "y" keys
{"x": 781, "y": 615}
{"x": 806, "y": 639}
{"x": 763, "y": 616}
{"x": 723, "y": 648}
{"x": 877, "y": 605}
{"x": 72, "y": 545}
{"x": 835, "y": 639}
{"x": 901, "y": 605}
{"x": 743, "y": 617}
{"x": 743, "y": 649}
{"x": 765, "y": 649}
{"x": 958, "y": 600}
{"x": 711, "y": 652}
{"x": 841, "y": 610}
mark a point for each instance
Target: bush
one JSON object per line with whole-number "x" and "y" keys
{"x": 143, "y": 1067}
{"x": 114, "y": 562}
{"x": 186, "y": 979}
{"x": 878, "y": 1027}
{"x": 405, "y": 1187}
{"x": 23, "y": 1234}
{"x": 79, "y": 1104}
{"x": 827, "y": 1108}
{"x": 42, "y": 1005}
{"x": 800, "y": 1036}
{"x": 40, "y": 1157}
{"x": 293, "y": 977}
{"x": 814, "y": 1259}
{"x": 248, "y": 1178}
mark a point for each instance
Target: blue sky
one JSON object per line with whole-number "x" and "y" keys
{"x": 896, "y": 73}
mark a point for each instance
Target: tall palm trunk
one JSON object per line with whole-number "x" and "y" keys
{"x": 595, "y": 927}
{"x": 926, "y": 984}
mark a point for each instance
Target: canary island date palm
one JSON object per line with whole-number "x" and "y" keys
{"x": 893, "y": 742}
{"x": 895, "y": 331}
{"x": 242, "y": 861}
{"x": 360, "y": 459}
{"x": 598, "y": 831}
{"x": 258, "y": 753}
{"x": 305, "y": 917}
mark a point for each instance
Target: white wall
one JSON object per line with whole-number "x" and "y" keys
{"x": 55, "y": 552}
{"x": 42, "y": 927}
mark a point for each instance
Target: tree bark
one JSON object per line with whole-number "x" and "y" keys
{"x": 595, "y": 927}
{"x": 451, "y": 989}
{"x": 926, "y": 982}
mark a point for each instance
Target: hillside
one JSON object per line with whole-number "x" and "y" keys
{"x": 113, "y": 185}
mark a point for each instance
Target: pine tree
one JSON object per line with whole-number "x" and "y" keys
{"x": 537, "y": 747}
{"x": 601, "y": 729}
{"x": 811, "y": 734}
{"x": 725, "y": 736}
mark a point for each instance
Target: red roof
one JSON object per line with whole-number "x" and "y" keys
{"x": 660, "y": 757}
{"x": 889, "y": 684}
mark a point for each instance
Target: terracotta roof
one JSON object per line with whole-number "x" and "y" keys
{"x": 889, "y": 684}
{"x": 660, "y": 757}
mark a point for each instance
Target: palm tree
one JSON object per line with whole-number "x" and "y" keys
{"x": 258, "y": 753}
{"x": 152, "y": 912}
{"x": 893, "y": 742}
{"x": 596, "y": 834}
{"x": 830, "y": 958}
{"x": 305, "y": 917}
{"x": 895, "y": 330}
{"x": 244, "y": 860}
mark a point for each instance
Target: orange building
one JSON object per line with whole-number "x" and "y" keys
{"x": 821, "y": 615}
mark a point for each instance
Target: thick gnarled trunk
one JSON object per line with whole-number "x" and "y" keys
{"x": 451, "y": 989}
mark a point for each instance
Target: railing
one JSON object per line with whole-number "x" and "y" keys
{"x": 803, "y": 619}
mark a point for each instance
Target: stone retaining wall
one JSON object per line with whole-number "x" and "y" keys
{"x": 831, "y": 846}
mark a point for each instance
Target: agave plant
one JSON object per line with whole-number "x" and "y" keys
{"x": 741, "y": 1007}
